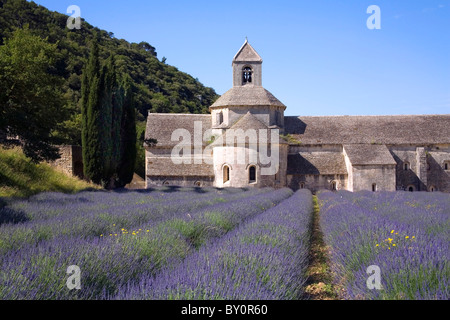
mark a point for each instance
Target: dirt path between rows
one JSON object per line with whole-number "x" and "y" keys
{"x": 320, "y": 282}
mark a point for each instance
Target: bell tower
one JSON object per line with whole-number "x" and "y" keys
{"x": 247, "y": 67}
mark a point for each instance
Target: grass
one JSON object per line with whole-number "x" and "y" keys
{"x": 320, "y": 280}
{"x": 19, "y": 177}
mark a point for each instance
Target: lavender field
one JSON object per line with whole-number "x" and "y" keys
{"x": 405, "y": 234}
{"x": 114, "y": 238}
{"x": 208, "y": 243}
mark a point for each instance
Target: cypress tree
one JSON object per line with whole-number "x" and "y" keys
{"x": 108, "y": 124}
{"x": 90, "y": 81}
{"x": 128, "y": 135}
{"x": 117, "y": 96}
{"x": 96, "y": 119}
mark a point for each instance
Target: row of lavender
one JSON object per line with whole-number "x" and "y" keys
{"x": 263, "y": 259}
{"x": 91, "y": 214}
{"x": 35, "y": 267}
{"x": 404, "y": 234}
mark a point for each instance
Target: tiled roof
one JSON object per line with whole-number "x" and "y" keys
{"x": 248, "y": 95}
{"x": 248, "y": 121}
{"x": 247, "y": 54}
{"x": 368, "y": 154}
{"x": 160, "y": 126}
{"x": 388, "y": 130}
{"x": 164, "y": 166}
{"x": 316, "y": 163}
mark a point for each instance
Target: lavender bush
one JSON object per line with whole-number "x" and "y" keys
{"x": 90, "y": 214}
{"x": 35, "y": 268}
{"x": 405, "y": 234}
{"x": 265, "y": 258}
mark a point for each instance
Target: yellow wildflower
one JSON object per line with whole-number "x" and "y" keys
{"x": 392, "y": 231}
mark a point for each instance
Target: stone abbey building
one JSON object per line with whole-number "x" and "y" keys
{"x": 326, "y": 152}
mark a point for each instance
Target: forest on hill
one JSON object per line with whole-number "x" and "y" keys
{"x": 158, "y": 87}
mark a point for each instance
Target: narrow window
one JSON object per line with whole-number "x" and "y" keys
{"x": 374, "y": 187}
{"x": 246, "y": 75}
{"x": 219, "y": 118}
{"x": 446, "y": 166}
{"x": 406, "y": 166}
{"x": 433, "y": 189}
{"x": 252, "y": 174}
{"x": 302, "y": 185}
{"x": 226, "y": 174}
{"x": 334, "y": 186}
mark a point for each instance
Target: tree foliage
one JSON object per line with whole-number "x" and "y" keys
{"x": 31, "y": 97}
{"x": 157, "y": 87}
{"x": 109, "y": 123}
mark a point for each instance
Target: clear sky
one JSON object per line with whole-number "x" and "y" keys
{"x": 320, "y": 58}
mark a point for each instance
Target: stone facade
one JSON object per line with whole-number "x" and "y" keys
{"x": 71, "y": 161}
{"x": 377, "y": 153}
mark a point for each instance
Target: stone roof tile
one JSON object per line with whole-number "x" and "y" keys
{"x": 248, "y": 95}
{"x": 388, "y": 130}
{"x": 367, "y": 154}
{"x": 316, "y": 163}
{"x": 160, "y": 126}
{"x": 247, "y": 54}
{"x": 164, "y": 166}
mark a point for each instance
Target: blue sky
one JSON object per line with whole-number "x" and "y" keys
{"x": 319, "y": 56}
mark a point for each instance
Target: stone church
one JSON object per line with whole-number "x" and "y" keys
{"x": 376, "y": 153}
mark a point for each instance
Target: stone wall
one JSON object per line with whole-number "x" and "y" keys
{"x": 238, "y": 66}
{"x": 380, "y": 176}
{"x": 317, "y": 182}
{"x": 180, "y": 181}
{"x": 425, "y": 170}
{"x": 70, "y": 162}
{"x": 437, "y": 177}
{"x": 239, "y": 160}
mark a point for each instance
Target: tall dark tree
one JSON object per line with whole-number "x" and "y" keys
{"x": 116, "y": 97}
{"x": 96, "y": 121}
{"x": 128, "y": 135}
{"x": 109, "y": 123}
{"x": 31, "y": 100}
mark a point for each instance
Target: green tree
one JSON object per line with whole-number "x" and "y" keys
{"x": 94, "y": 141}
{"x": 116, "y": 99}
{"x": 31, "y": 99}
{"x": 128, "y": 135}
{"x": 108, "y": 124}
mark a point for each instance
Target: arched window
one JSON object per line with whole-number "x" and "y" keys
{"x": 411, "y": 189}
{"x": 226, "y": 174}
{"x": 374, "y": 187}
{"x": 406, "y": 166}
{"x": 252, "y": 174}
{"x": 302, "y": 185}
{"x": 247, "y": 75}
{"x": 198, "y": 184}
{"x": 433, "y": 189}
